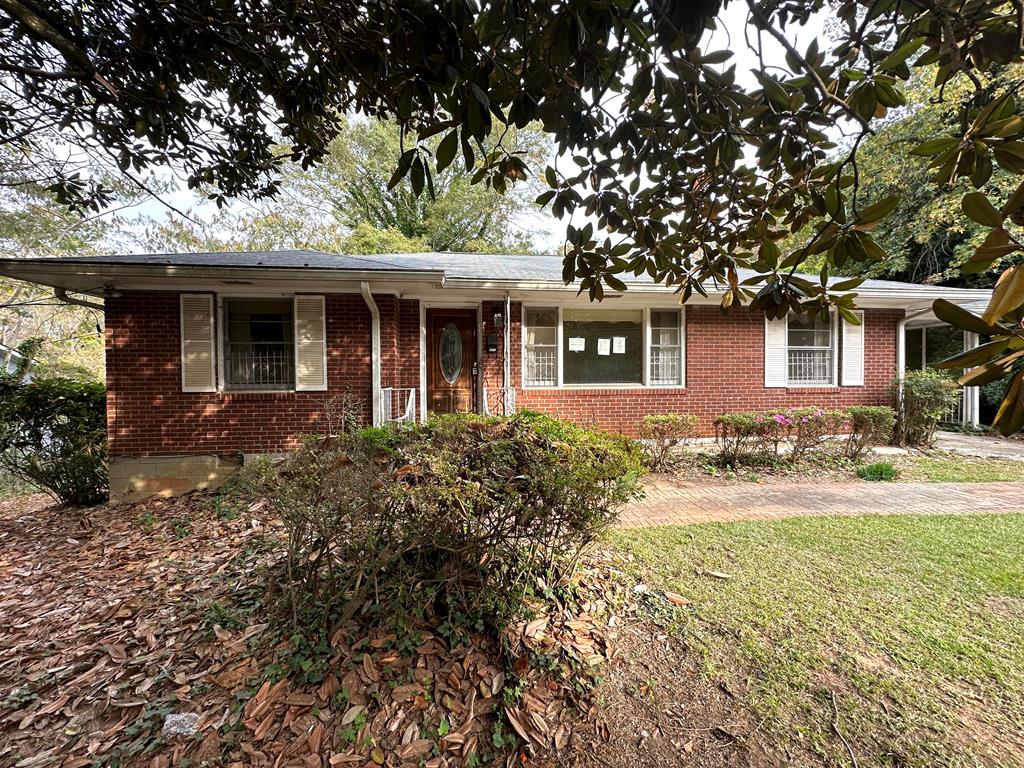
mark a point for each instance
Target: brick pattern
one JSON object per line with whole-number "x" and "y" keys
{"x": 673, "y": 502}
{"x": 724, "y": 372}
{"x": 149, "y": 415}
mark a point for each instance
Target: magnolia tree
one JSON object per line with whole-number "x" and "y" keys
{"x": 681, "y": 168}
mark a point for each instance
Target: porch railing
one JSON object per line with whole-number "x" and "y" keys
{"x": 398, "y": 403}
{"x": 955, "y": 415}
{"x": 500, "y": 401}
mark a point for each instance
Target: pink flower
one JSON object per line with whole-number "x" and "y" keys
{"x": 759, "y": 419}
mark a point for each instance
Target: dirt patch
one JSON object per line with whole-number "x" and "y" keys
{"x": 658, "y": 709}
{"x": 973, "y": 734}
{"x": 1006, "y": 606}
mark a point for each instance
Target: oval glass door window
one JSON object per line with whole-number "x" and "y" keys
{"x": 450, "y": 353}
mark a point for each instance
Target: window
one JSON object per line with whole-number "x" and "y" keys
{"x": 666, "y": 347}
{"x": 541, "y": 339}
{"x": 601, "y": 346}
{"x": 810, "y": 350}
{"x": 259, "y": 346}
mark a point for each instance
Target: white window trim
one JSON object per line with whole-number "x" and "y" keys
{"x": 646, "y": 352}
{"x": 834, "y": 383}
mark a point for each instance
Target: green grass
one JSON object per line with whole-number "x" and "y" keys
{"x": 915, "y": 623}
{"x": 949, "y": 468}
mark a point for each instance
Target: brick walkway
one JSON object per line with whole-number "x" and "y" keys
{"x": 673, "y": 502}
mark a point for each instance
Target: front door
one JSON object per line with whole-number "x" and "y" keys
{"x": 451, "y": 360}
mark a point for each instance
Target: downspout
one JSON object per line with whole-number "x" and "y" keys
{"x": 364, "y": 288}
{"x": 506, "y": 374}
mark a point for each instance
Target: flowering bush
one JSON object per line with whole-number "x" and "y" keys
{"x": 749, "y": 435}
{"x": 813, "y": 426}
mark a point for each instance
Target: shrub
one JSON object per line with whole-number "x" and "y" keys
{"x": 812, "y": 427}
{"x": 53, "y": 435}
{"x": 747, "y": 434}
{"x": 881, "y": 471}
{"x": 453, "y": 515}
{"x": 922, "y": 398}
{"x": 666, "y": 431}
{"x": 869, "y": 425}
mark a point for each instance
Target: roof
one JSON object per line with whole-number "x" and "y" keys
{"x": 450, "y": 270}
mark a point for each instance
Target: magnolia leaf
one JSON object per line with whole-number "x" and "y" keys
{"x": 957, "y": 316}
{"x": 1010, "y": 417}
{"x": 1007, "y": 295}
{"x": 979, "y": 209}
{"x": 873, "y": 214}
{"x": 976, "y": 356}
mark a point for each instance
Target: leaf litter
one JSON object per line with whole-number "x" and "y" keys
{"x": 116, "y": 618}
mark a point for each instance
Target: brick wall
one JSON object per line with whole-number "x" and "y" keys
{"x": 149, "y": 415}
{"x": 724, "y": 372}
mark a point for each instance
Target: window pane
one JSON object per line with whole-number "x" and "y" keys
{"x": 607, "y": 346}
{"x": 665, "y": 337}
{"x": 541, "y": 317}
{"x": 259, "y": 352}
{"x": 665, "y": 365}
{"x": 915, "y": 349}
{"x": 809, "y": 331}
{"x": 547, "y": 336}
{"x": 665, "y": 318}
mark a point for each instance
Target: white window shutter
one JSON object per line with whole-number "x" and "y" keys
{"x": 310, "y": 344}
{"x": 775, "y": 352}
{"x": 197, "y": 340}
{"x": 853, "y": 353}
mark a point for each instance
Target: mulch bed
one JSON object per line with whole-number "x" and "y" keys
{"x": 115, "y": 618}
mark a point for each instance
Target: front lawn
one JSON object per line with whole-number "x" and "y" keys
{"x": 941, "y": 467}
{"x": 910, "y": 628}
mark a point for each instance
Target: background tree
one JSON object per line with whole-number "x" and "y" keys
{"x": 33, "y": 223}
{"x": 346, "y": 204}
{"x": 926, "y": 238}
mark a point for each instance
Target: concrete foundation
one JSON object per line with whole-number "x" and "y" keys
{"x": 137, "y": 478}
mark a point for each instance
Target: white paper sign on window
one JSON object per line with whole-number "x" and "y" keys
{"x": 619, "y": 345}
{"x": 604, "y": 346}
{"x": 577, "y": 344}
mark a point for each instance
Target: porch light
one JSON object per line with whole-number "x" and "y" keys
{"x": 499, "y": 319}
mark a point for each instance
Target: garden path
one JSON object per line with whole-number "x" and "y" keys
{"x": 676, "y": 502}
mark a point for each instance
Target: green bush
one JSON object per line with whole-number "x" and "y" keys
{"x": 882, "y": 471}
{"x": 745, "y": 435}
{"x": 53, "y": 435}
{"x": 811, "y": 427}
{"x": 921, "y": 399}
{"x": 454, "y": 515}
{"x": 869, "y": 425}
{"x": 665, "y": 431}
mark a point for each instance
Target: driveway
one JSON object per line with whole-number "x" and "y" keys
{"x": 981, "y": 445}
{"x": 675, "y": 502}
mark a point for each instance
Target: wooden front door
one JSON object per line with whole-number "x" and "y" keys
{"x": 451, "y": 360}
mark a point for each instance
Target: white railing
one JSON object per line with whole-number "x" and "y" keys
{"x": 500, "y": 401}
{"x": 955, "y": 415}
{"x": 810, "y": 366}
{"x": 398, "y": 404}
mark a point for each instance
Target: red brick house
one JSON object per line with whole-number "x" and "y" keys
{"x": 211, "y": 357}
